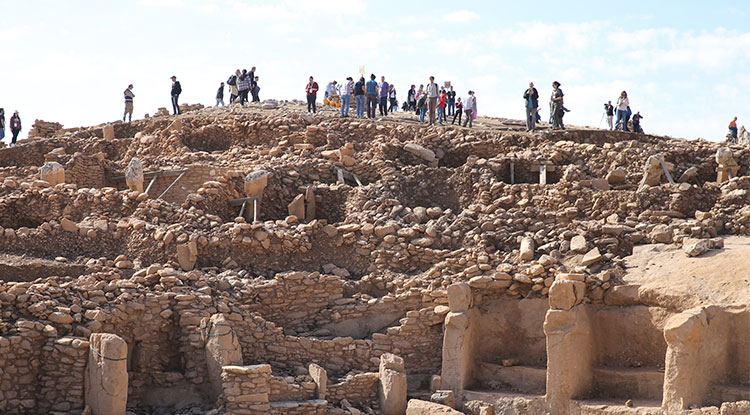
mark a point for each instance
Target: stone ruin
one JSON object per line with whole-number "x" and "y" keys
{"x": 261, "y": 261}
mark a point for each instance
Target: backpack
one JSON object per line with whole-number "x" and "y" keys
{"x": 421, "y": 101}
{"x": 232, "y": 80}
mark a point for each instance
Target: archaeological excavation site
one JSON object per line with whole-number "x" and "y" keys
{"x": 262, "y": 261}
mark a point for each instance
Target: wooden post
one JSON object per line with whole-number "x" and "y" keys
{"x": 666, "y": 173}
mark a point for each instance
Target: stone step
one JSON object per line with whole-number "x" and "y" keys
{"x": 628, "y": 383}
{"x": 524, "y": 379}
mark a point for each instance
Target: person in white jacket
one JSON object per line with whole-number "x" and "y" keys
{"x": 622, "y": 111}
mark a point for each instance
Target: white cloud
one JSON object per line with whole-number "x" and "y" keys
{"x": 460, "y": 16}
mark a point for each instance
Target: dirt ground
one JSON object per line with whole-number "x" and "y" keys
{"x": 718, "y": 277}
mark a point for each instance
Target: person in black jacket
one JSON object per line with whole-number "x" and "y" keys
{"x": 15, "y": 127}
{"x": 176, "y": 91}
{"x": 220, "y": 95}
{"x": 531, "y": 98}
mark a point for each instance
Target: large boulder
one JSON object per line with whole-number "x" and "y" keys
{"x": 52, "y": 172}
{"x": 419, "y": 407}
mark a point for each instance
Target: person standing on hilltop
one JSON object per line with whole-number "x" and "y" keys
{"x": 531, "y": 98}
{"x": 255, "y": 89}
{"x": 384, "y": 87}
{"x": 243, "y": 85}
{"x": 312, "y": 94}
{"x": 609, "y": 109}
{"x": 176, "y": 91}
{"x": 411, "y": 98}
{"x": 129, "y": 95}
{"x": 220, "y": 95}
{"x": 359, "y": 97}
{"x": 392, "y": 98}
{"x": 622, "y": 109}
{"x": 556, "y": 105}
{"x": 2, "y": 123}
{"x": 442, "y": 103}
{"x": 15, "y": 127}
{"x": 371, "y": 89}
{"x": 253, "y": 84}
{"x": 732, "y": 131}
{"x": 451, "y": 102}
{"x": 346, "y": 96}
{"x": 233, "y": 91}
{"x": 469, "y": 109}
{"x": 458, "y": 112}
{"x": 432, "y": 96}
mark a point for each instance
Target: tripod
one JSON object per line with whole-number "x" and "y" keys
{"x": 604, "y": 115}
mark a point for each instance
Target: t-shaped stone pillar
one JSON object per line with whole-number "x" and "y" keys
{"x": 222, "y": 349}
{"x": 255, "y": 183}
{"x": 392, "y": 384}
{"x": 652, "y": 172}
{"x": 458, "y": 341}
{"x": 728, "y": 168}
{"x": 320, "y": 377}
{"x": 134, "y": 175}
{"x": 106, "y": 384}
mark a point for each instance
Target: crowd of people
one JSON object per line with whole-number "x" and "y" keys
{"x": 373, "y": 98}
{"x": 624, "y": 114}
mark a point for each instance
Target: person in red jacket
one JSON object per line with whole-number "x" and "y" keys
{"x": 312, "y": 90}
{"x": 442, "y": 103}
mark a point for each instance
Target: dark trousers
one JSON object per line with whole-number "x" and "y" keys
{"x": 232, "y": 97}
{"x": 255, "y": 94}
{"x": 311, "y": 103}
{"x": 469, "y": 118}
{"x": 15, "y": 136}
{"x": 452, "y": 107}
{"x": 457, "y": 114}
{"x": 175, "y": 104}
{"x": 383, "y": 106}
{"x": 393, "y": 105}
{"x": 372, "y": 103}
{"x": 243, "y": 96}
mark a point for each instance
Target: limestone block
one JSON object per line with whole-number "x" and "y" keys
{"x": 52, "y": 172}
{"x": 527, "y": 249}
{"x": 320, "y": 377}
{"x": 346, "y": 150}
{"x": 392, "y": 384}
{"x": 459, "y": 297}
{"x": 724, "y": 157}
{"x": 444, "y": 397}
{"x": 459, "y": 345}
{"x": 187, "y": 255}
{"x": 68, "y": 225}
{"x": 421, "y": 152}
{"x": 176, "y": 125}
{"x": 688, "y": 175}
{"x": 735, "y": 408}
{"x": 578, "y": 244}
{"x": 621, "y": 295}
{"x": 661, "y": 234}
{"x": 297, "y": 207}
{"x": 222, "y": 349}
{"x": 617, "y": 176}
{"x": 600, "y": 184}
{"x": 108, "y": 131}
{"x": 479, "y": 408}
{"x": 419, "y": 407}
{"x": 255, "y": 182}
{"x": 106, "y": 381}
{"x": 134, "y": 175}
{"x": 435, "y": 383}
{"x": 565, "y": 294}
{"x": 695, "y": 247}
{"x": 591, "y": 257}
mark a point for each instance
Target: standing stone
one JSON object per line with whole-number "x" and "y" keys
{"x": 106, "y": 383}
{"x": 297, "y": 207}
{"x": 320, "y": 377}
{"x": 310, "y": 203}
{"x": 569, "y": 357}
{"x": 565, "y": 294}
{"x": 527, "y": 249}
{"x": 459, "y": 297}
{"x": 255, "y": 182}
{"x": 392, "y": 384}
{"x": 52, "y": 172}
{"x": 222, "y": 349}
{"x": 728, "y": 167}
{"x": 652, "y": 172}
{"x": 346, "y": 155}
{"x": 108, "y": 131}
{"x": 688, "y": 175}
{"x": 187, "y": 255}
{"x": 134, "y": 175}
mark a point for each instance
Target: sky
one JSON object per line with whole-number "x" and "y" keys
{"x": 683, "y": 63}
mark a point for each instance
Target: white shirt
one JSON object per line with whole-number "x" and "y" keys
{"x": 622, "y": 104}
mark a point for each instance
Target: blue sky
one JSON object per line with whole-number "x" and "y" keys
{"x": 683, "y": 63}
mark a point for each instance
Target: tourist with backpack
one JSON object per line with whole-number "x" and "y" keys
{"x": 15, "y": 127}
{"x": 176, "y": 91}
{"x": 129, "y": 95}
{"x": 232, "y": 82}
{"x": 220, "y": 95}
{"x": 422, "y": 107}
{"x": 359, "y": 97}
